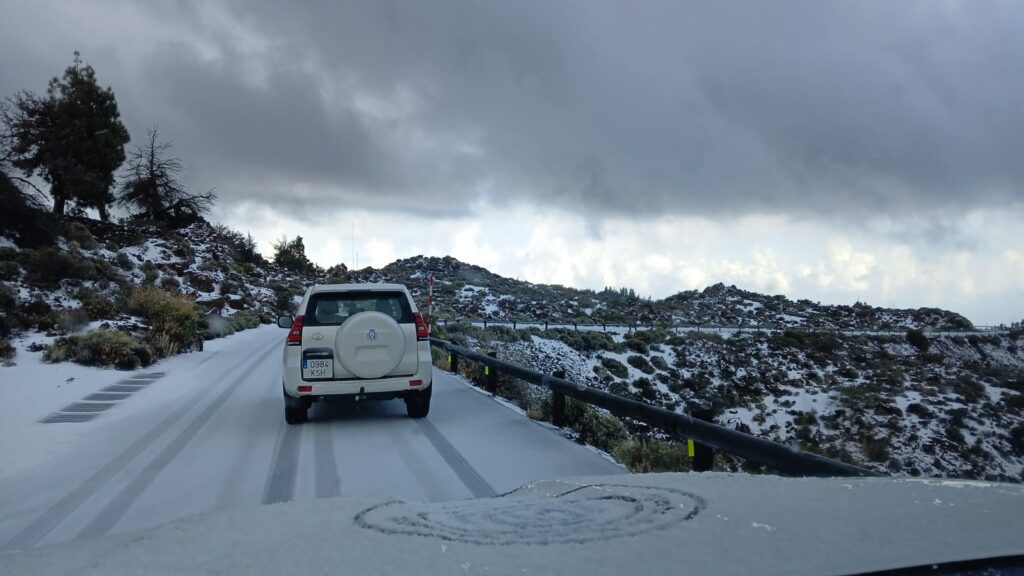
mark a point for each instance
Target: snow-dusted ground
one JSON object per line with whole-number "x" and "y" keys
{"x": 31, "y": 389}
{"x": 210, "y": 435}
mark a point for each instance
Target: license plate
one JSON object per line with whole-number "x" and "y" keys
{"x": 317, "y": 369}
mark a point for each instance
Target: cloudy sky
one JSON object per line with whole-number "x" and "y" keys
{"x": 834, "y": 151}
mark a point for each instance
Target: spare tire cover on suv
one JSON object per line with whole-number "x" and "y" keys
{"x": 370, "y": 344}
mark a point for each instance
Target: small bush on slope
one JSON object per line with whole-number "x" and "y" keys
{"x": 653, "y": 455}
{"x": 7, "y": 351}
{"x": 101, "y": 348}
{"x": 171, "y": 315}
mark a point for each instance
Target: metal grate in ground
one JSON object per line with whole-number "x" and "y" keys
{"x": 125, "y": 388}
{"x": 107, "y": 396}
{"x": 97, "y": 402}
{"x": 62, "y": 417}
{"x": 88, "y": 407}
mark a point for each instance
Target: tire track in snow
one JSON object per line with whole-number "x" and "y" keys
{"x": 47, "y": 521}
{"x": 427, "y": 481}
{"x": 479, "y": 487}
{"x": 250, "y": 447}
{"x": 109, "y": 516}
{"x": 328, "y": 484}
{"x": 285, "y": 466}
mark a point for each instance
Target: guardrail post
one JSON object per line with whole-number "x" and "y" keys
{"x": 485, "y": 323}
{"x": 453, "y": 362}
{"x": 492, "y": 375}
{"x": 545, "y": 325}
{"x": 558, "y": 409}
{"x": 558, "y": 403}
{"x": 513, "y": 324}
{"x": 703, "y": 455}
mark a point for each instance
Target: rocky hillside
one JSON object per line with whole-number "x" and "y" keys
{"x": 466, "y": 291}
{"x": 149, "y": 291}
{"x": 913, "y": 404}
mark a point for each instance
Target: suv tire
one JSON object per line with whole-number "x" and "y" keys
{"x": 296, "y": 410}
{"x": 418, "y": 405}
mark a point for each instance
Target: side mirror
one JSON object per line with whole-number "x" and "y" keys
{"x": 284, "y": 321}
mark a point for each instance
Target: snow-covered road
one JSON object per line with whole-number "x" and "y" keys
{"x": 209, "y": 434}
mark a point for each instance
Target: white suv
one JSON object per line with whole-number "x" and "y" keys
{"x": 358, "y": 342}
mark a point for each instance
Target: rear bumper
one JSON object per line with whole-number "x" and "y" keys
{"x": 369, "y": 389}
{"x": 380, "y": 388}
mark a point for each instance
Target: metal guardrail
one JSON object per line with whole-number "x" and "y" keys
{"x": 776, "y": 456}
{"x": 711, "y": 328}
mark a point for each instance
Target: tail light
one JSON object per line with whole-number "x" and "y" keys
{"x": 295, "y": 333}
{"x": 421, "y": 328}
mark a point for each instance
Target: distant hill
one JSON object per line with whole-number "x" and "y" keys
{"x": 467, "y": 291}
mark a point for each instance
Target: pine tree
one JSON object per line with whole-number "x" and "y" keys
{"x": 73, "y": 138}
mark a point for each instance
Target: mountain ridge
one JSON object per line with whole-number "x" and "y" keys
{"x": 718, "y": 304}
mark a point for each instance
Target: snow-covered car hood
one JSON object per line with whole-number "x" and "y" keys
{"x": 642, "y": 524}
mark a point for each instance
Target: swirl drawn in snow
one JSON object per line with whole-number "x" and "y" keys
{"x": 583, "y": 514}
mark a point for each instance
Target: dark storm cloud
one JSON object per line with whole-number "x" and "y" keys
{"x": 272, "y": 133}
{"x": 803, "y": 108}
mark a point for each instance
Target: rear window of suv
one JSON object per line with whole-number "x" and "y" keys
{"x": 333, "y": 308}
